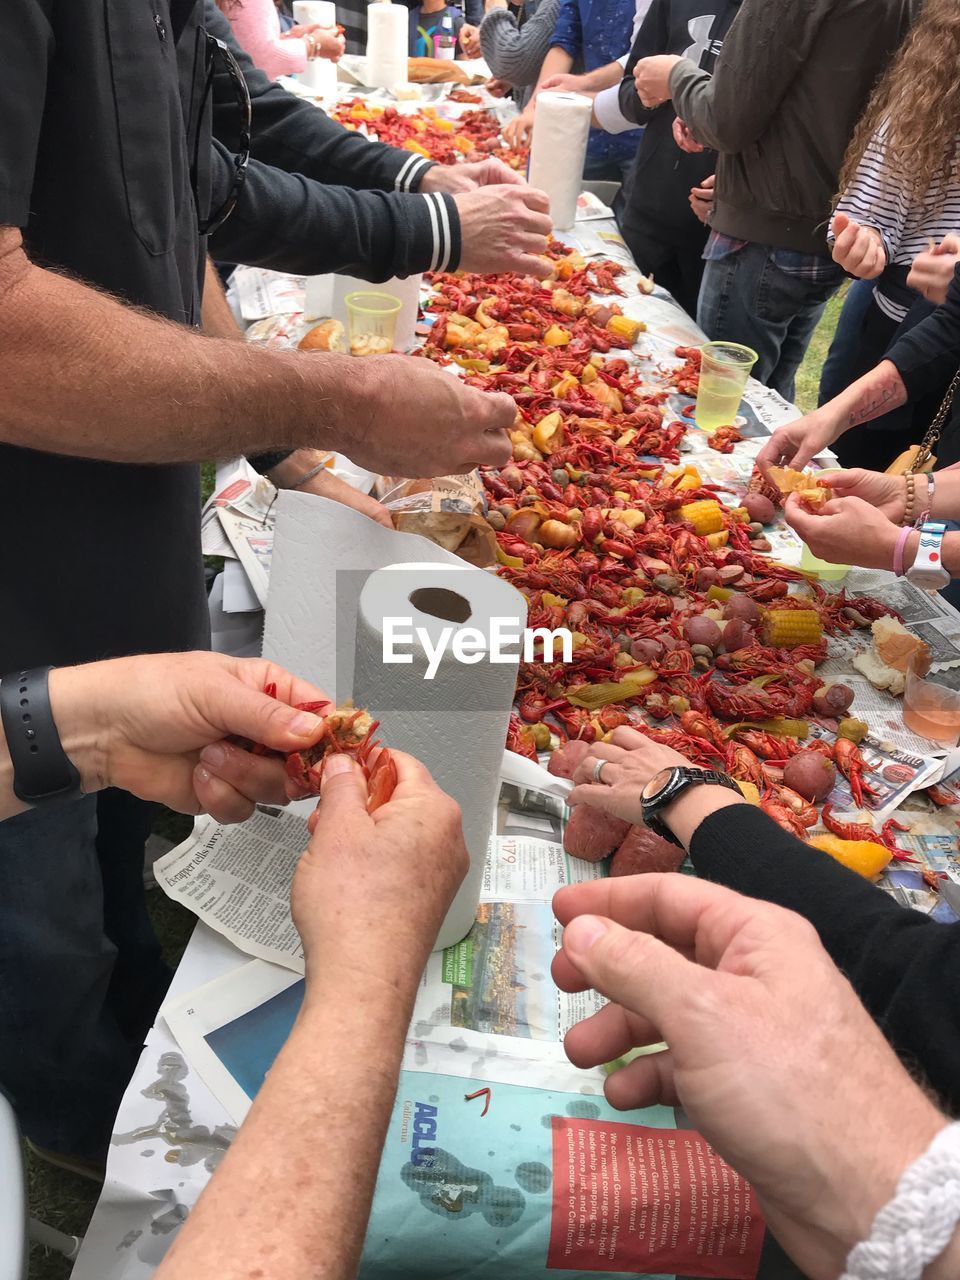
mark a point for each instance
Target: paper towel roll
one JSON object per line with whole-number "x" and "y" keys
{"x": 455, "y": 723}
{"x": 321, "y": 12}
{"x": 320, "y": 75}
{"x": 387, "y": 40}
{"x": 561, "y": 124}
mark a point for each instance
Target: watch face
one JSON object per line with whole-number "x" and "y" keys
{"x": 656, "y": 784}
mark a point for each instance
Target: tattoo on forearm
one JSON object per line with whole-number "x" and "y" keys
{"x": 878, "y": 400}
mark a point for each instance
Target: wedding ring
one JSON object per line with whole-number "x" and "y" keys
{"x": 598, "y": 769}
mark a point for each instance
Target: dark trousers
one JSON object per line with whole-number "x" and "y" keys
{"x": 677, "y": 268}
{"x": 864, "y": 334}
{"x": 81, "y": 974}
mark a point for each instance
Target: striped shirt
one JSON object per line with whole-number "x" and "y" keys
{"x": 884, "y": 200}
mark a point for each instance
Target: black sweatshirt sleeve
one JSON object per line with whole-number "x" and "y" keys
{"x": 319, "y": 197}
{"x": 904, "y": 966}
{"x": 286, "y": 222}
{"x": 927, "y": 355}
{"x": 295, "y": 135}
{"x": 652, "y": 38}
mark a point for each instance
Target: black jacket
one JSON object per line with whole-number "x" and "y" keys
{"x": 904, "y": 966}
{"x": 339, "y": 201}
{"x": 927, "y": 357}
{"x": 657, "y": 202}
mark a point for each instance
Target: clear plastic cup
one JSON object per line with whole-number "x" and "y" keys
{"x": 372, "y": 322}
{"x": 825, "y": 570}
{"x": 931, "y": 703}
{"x": 724, "y": 370}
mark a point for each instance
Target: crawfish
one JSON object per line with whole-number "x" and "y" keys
{"x": 852, "y": 765}
{"x": 782, "y": 816}
{"x": 743, "y": 765}
{"x": 724, "y": 438}
{"x": 801, "y": 808}
{"x": 577, "y": 722}
{"x": 347, "y": 730}
{"x": 520, "y": 738}
{"x": 699, "y": 725}
{"x": 696, "y": 749}
{"x": 753, "y": 703}
{"x": 865, "y": 831}
{"x": 766, "y": 745}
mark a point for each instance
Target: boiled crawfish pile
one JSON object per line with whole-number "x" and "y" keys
{"x": 594, "y": 525}
{"x": 474, "y": 136}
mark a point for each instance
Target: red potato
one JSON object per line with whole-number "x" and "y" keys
{"x": 592, "y": 834}
{"x": 741, "y": 606}
{"x": 564, "y": 761}
{"x": 759, "y": 508}
{"x": 833, "y": 701}
{"x": 737, "y": 634}
{"x": 649, "y": 650}
{"x": 643, "y": 850}
{"x": 707, "y": 576}
{"x": 700, "y": 630}
{"x": 810, "y": 774}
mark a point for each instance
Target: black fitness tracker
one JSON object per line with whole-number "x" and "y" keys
{"x": 666, "y": 785}
{"x": 41, "y": 770}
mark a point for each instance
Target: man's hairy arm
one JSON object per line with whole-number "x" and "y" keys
{"x": 137, "y": 388}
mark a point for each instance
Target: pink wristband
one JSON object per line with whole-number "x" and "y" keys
{"x": 902, "y": 537}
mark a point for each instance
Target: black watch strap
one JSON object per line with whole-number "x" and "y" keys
{"x": 681, "y": 778}
{"x": 41, "y": 769}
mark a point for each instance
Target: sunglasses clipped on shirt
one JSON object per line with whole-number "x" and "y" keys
{"x": 219, "y": 57}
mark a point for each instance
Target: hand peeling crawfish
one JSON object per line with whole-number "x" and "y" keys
{"x": 346, "y": 730}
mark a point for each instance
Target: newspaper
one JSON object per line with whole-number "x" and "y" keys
{"x": 237, "y": 880}
{"x": 891, "y": 774}
{"x": 262, "y": 293}
{"x": 527, "y": 1149}
{"x": 492, "y": 1128}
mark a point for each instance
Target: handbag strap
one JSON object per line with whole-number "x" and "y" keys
{"x": 931, "y": 439}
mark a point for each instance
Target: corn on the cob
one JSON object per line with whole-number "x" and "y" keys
{"x": 624, "y": 327}
{"x": 786, "y": 628}
{"x": 705, "y": 516}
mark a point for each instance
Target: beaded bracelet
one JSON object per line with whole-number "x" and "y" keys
{"x": 910, "y": 499}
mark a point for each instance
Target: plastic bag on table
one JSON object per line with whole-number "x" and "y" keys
{"x": 447, "y": 509}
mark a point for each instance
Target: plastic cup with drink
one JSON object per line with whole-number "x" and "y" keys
{"x": 724, "y": 370}
{"x": 931, "y": 702}
{"x": 372, "y": 322}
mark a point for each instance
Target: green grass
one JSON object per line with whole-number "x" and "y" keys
{"x": 65, "y": 1201}
{"x": 808, "y": 375}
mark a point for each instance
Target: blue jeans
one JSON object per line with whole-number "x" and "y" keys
{"x": 752, "y": 296}
{"x": 845, "y": 347}
{"x": 81, "y": 975}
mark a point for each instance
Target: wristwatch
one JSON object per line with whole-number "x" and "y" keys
{"x": 42, "y": 771}
{"x": 927, "y": 571}
{"x": 664, "y": 787}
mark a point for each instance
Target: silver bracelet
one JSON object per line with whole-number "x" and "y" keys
{"x": 918, "y": 1223}
{"x": 931, "y": 490}
{"x": 308, "y": 475}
